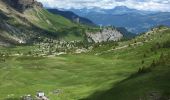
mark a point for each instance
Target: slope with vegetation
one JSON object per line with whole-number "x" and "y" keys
{"x": 25, "y": 24}
{"x": 72, "y": 16}
{"x": 26, "y": 21}
{"x": 114, "y": 70}
{"x": 151, "y": 80}
{"x": 64, "y": 65}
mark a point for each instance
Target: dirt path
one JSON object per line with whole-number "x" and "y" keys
{"x": 119, "y": 48}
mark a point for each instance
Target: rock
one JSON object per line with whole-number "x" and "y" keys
{"x": 27, "y": 97}
{"x": 22, "y": 5}
{"x": 107, "y": 34}
{"x": 58, "y": 91}
{"x": 83, "y": 50}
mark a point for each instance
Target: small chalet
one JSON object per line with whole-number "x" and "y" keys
{"x": 41, "y": 96}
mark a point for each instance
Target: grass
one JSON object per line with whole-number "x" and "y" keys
{"x": 48, "y": 21}
{"x": 74, "y": 75}
{"x": 56, "y": 25}
{"x": 139, "y": 86}
{"x": 86, "y": 75}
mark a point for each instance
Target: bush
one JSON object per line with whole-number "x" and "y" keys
{"x": 153, "y": 64}
{"x": 166, "y": 44}
{"x": 155, "y": 47}
{"x": 144, "y": 70}
{"x": 144, "y": 55}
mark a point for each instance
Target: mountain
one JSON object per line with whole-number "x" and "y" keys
{"x": 26, "y": 21}
{"x": 72, "y": 16}
{"x": 135, "y": 21}
{"x": 22, "y": 21}
{"x": 126, "y": 33}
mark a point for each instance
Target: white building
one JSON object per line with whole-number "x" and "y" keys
{"x": 41, "y": 96}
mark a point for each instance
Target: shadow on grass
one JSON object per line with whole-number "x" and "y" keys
{"x": 108, "y": 94}
{"x": 12, "y": 99}
{"x": 142, "y": 85}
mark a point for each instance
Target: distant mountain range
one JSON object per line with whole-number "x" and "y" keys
{"x": 136, "y": 21}
{"x": 71, "y": 16}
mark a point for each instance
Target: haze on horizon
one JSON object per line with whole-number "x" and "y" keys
{"x": 148, "y": 5}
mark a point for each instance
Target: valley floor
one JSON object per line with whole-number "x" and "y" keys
{"x": 111, "y": 75}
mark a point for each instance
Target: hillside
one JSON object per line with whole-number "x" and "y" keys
{"x": 72, "y": 16}
{"x": 97, "y": 74}
{"x": 150, "y": 81}
{"x": 26, "y": 21}
{"x": 44, "y": 53}
{"x": 148, "y": 84}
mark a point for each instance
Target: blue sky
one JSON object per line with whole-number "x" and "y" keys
{"x": 149, "y": 5}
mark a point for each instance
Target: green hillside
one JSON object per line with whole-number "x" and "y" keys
{"x": 127, "y": 71}
{"x": 46, "y": 20}
{"x": 145, "y": 85}
{"x": 25, "y": 27}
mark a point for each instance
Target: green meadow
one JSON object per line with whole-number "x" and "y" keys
{"x": 102, "y": 74}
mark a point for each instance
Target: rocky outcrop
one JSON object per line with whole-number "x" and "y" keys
{"x": 107, "y": 34}
{"x": 22, "y": 5}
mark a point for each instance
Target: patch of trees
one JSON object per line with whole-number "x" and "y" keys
{"x": 158, "y": 46}
{"x": 108, "y": 43}
{"x": 166, "y": 44}
{"x": 162, "y": 61}
{"x": 155, "y": 47}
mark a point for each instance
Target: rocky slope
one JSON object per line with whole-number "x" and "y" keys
{"x": 26, "y": 21}
{"x": 106, "y": 34}
{"x": 22, "y": 5}
{"x": 22, "y": 21}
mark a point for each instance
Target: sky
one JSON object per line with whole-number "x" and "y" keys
{"x": 148, "y": 5}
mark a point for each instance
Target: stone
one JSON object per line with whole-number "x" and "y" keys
{"x": 107, "y": 34}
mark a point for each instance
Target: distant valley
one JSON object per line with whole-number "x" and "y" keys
{"x": 135, "y": 21}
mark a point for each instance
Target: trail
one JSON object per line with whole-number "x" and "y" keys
{"x": 125, "y": 46}
{"x": 119, "y": 48}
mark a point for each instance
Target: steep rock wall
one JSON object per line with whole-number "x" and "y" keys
{"x": 107, "y": 34}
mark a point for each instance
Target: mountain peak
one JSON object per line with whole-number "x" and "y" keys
{"x": 121, "y": 7}
{"x": 22, "y": 5}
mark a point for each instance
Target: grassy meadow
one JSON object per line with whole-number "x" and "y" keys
{"x": 101, "y": 74}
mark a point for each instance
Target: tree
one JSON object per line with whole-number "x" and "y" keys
{"x": 144, "y": 55}
{"x": 153, "y": 63}
{"x": 143, "y": 61}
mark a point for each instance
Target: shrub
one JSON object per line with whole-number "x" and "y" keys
{"x": 153, "y": 64}
{"x": 166, "y": 44}
{"x": 143, "y": 62}
{"x": 144, "y": 70}
{"x": 144, "y": 55}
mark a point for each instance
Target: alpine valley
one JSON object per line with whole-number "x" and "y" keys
{"x": 135, "y": 21}
{"x": 51, "y": 54}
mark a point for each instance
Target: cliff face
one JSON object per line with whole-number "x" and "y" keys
{"x": 22, "y": 5}
{"x": 15, "y": 28}
{"x": 107, "y": 34}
